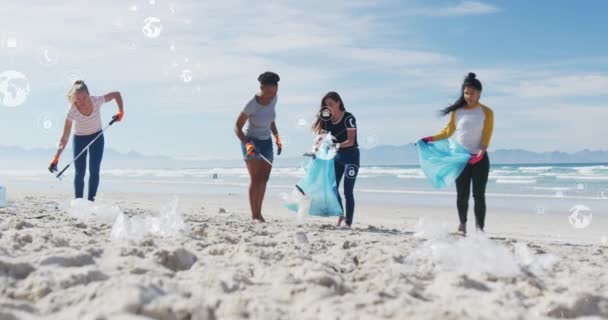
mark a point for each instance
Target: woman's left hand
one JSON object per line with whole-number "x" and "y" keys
{"x": 118, "y": 116}
{"x": 476, "y": 158}
{"x": 277, "y": 140}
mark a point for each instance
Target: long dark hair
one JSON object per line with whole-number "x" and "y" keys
{"x": 318, "y": 125}
{"x": 469, "y": 81}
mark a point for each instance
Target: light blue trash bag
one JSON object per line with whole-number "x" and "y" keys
{"x": 317, "y": 190}
{"x": 442, "y": 161}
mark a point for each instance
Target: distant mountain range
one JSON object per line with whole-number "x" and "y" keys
{"x": 403, "y": 155}
{"x": 21, "y": 158}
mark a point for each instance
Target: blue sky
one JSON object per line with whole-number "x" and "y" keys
{"x": 544, "y": 66}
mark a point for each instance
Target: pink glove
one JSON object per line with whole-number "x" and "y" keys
{"x": 427, "y": 139}
{"x": 476, "y": 158}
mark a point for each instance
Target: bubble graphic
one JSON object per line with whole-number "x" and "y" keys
{"x": 186, "y": 75}
{"x": 370, "y": 141}
{"x": 351, "y": 171}
{"x": 14, "y": 88}
{"x": 47, "y": 124}
{"x": 302, "y": 122}
{"x": 580, "y": 216}
{"x": 10, "y": 41}
{"x": 132, "y": 47}
{"x": 71, "y": 77}
{"x": 48, "y": 56}
{"x": 541, "y": 210}
{"x": 152, "y": 27}
{"x": 325, "y": 114}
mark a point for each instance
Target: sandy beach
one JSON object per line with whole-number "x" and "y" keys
{"x": 55, "y": 264}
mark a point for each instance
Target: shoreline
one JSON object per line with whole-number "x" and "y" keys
{"x": 516, "y": 224}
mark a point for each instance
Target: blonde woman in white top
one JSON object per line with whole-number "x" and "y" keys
{"x": 84, "y": 117}
{"x": 472, "y": 125}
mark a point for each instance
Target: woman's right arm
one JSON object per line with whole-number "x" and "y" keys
{"x": 448, "y": 130}
{"x": 62, "y": 143}
{"x": 238, "y": 128}
{"x": 67, "y": 128}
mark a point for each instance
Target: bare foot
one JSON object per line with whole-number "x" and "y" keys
{"x": 340, "y": 220}
{"x": 462, "y": 228}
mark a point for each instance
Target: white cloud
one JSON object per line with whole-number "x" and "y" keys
{"x": 463, "y": 8}
{"x": 561, "y": 86}
{"x": 392, "y": 58}
{"x": 316, "y": 46}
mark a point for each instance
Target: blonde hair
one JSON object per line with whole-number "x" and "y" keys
{"x": 78, "y": 86}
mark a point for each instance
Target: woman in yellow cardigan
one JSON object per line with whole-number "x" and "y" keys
{"x": 471, "y": 123}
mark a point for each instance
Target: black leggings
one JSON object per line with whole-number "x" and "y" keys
{"x": 347, "y": 164}
{"x": 478, "y": 174}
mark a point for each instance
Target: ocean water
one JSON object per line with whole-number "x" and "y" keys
{"x": 541, "y": 189}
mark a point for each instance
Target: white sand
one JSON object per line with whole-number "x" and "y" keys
{"x": 56, "y": 266}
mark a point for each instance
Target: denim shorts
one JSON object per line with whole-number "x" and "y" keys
{"x": 263, "y": 147}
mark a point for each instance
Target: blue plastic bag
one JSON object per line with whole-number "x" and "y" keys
{"x": 442, "y": 161}
{"x": 2, "y": 196}
{"x": 318, "y": 186}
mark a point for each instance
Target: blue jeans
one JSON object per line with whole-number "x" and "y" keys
{"x": 80, "y": 165}
{"x": 347, "y": 165}
{"x": 262, "y": 147}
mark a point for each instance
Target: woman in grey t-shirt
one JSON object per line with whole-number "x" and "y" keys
{"x": 256, "y": 140}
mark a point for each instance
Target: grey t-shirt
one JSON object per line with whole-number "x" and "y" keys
{"x": 260, "y": 119}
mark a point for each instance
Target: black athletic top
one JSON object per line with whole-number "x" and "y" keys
{"x": 338, "y": 130}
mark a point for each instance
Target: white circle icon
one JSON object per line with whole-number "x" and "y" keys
{"x": 580, "y": 216}
{"x": 71, "y": 77}
{"x": 541, "y": 210}
{"x": 351, "y": 171}
{"x": 186, "y": 75}
{"x": 47, "y": 124}
{"x": 152, "y": 27}
{"x": 325, "y": 114}
{"x": 14, "y": 88}
{"x": 371, "y": 141}
{"x": 48, "y": 57}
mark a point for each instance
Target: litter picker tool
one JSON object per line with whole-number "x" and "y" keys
{"x": 114, "y": 119}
